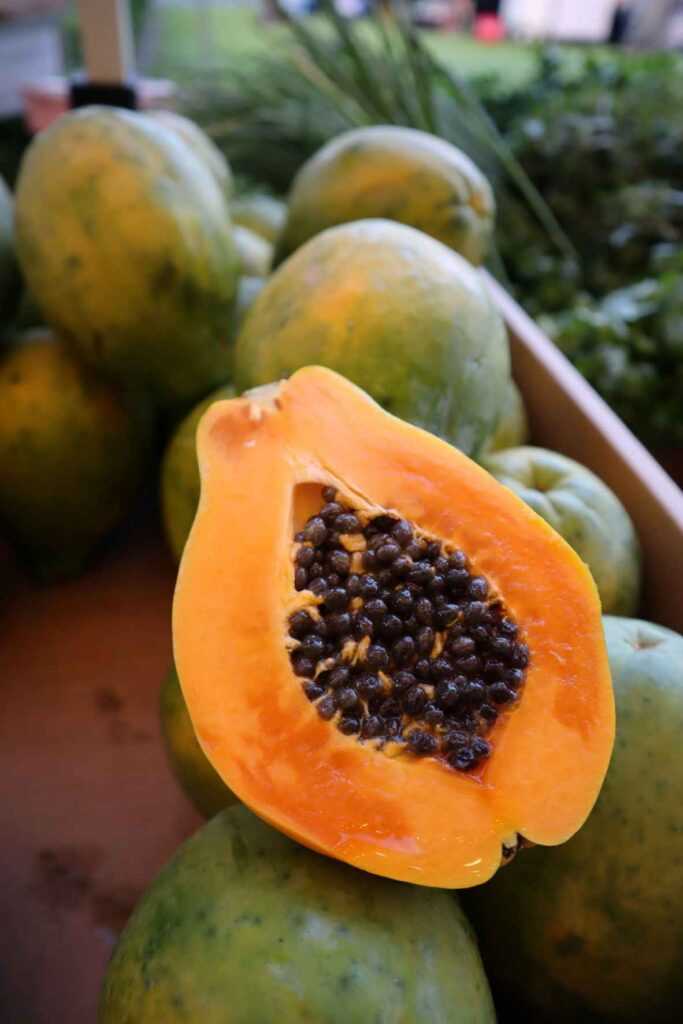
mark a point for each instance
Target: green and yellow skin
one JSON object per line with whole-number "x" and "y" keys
{"x": 264, "y": 215}
{"x": 513, "y": 425}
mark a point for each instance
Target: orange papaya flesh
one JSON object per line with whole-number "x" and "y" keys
{"x": 270, "y": 462}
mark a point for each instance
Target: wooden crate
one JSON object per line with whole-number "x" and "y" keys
{"x": 88, "y": 808}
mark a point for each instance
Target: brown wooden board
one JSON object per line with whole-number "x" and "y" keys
{"x": 88, "y": 808}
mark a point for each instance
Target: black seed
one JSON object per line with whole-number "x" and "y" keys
{"x": 457, "y": 560}
{"x": 375, "y": 609}
{"x": 401, "y": 565}
{"x": 421, "y": 573}
{"x": 376, "y": 656}
{"x": 346, "y": 698}
{"x": 318, "y": 587}
{"x": 514, "y": 677}
{"x": 340, "y": 562}
{"x": 475, "y": 612}
{"x": 388, "y": 552}
{"x": 385, "y": 523}
{"x": 403, "y": 681}
{"x": 347, "y": 522}
{"x": 433, "y": 550}
{"x": 362, "y": 626}
{"x": 332, "y": 539}
{"x": 480, "y": 748}
{"x": 302, "y": 665}
{"x": 390, "y": 708}
{"x": 414, "y": 700}
{"x": 499, "y": 693}
{"x": 326, "y": 708}
{"x": 520, "y": 656}
{"x": 369, "y": 560}
{"x": 333, "y": 580}
{"x": 393, "y": 727}
{"x": 421, "y": 743}
{"x": 371, "y": 726}
{"x": 469, "y": 665}
{"x": 330, "y": 511}
{"x": 457, "y": 580}
{"x": 461, "y": 646}
{"x": 390, "y": 627}
{"x": 474, "y": 693}
{"x": 339, "y": 676}
{"x": 300, "y": 623}
{"x": 386, "y": 579}
{"x": 410, "y": 625}
{"x": 300, "y": 536}
{"x": 488, "y": 713}
{"x": 415, "y": 549}
{"x": 478, "y": 588}
{"x": 441, "y": 565}
{"x": 369, "y": 686}
{"x": 313, "y": 691}
{"x": 424, "y": 611}
{"x": 320, "y": 628}
{"x": 329, "y": 650}
{"x": 369, "y": 587}
{"x": 315, "y": 571}
{"x": 402, "y": 601}
{"x": 501, "y": 646}
{"x": 433, "y": 715}
{"x": 447, "y": 694}
{"x": 300, "y": 579}
{"x": 311, "y": 646}
{"x": 329, "y": 493}
{"x": 462, "y": 759}
{"x": 482, "y": 635}
{"x": 425, "y": 640}
{"x": 339, "y": 624}
{"x": 402, "y": 532}
{"x": 403, "y": 650}
{"x": 455, "y": 739}
{"x": 353, "y": 586}
{"x": 436, "y": 585}
{"x": 315, "y": 530}
{"x": 508, "y": 627}
{"x": 423, "y": 668}
{"x": 441, "y": 668}
{"x": 305, "y": 557}
{"x": 493, "y": 669}
{"x": 348, "y": 725}
{"x": 336, "y": 599}
{"x": 445, "y": 615}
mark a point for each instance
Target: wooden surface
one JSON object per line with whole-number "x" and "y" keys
{"x": 88, "y": 809}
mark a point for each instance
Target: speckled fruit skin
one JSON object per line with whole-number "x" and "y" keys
{"x": 513, "y": 425}
{"x": 73, "y": 454}
{"x": 255, "y": 253}
{"x": 125, "y": 241}
{"x": 180, "y": 485}
{"x": 598, "y": 922}
{"x": 198, "y": 141}
{"x": 265, "y": 215}
{"x": 244, "y": 926}
{"x": 584, "y": 511}
{"x": 397, "y": 173}
{"x": 10, "y": 284}
{"x": 394, "y": 311}
{"x": 198, "y": 780}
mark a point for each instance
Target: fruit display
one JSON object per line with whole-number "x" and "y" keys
{"x": 244, "y": 925}
{"x": 74, "y": 452}
{"x": 188, "y": 762}
{"x": 397, "y": 313}
{"x": 598, "y": 923}
{"x": 111, "y": 204}
{"x": 395, "y": 640}
{"x": 396, "y": 173}
{"x": 418, "y": 657}
{"x": 584, "y": 511}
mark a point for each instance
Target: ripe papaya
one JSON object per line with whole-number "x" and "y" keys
{"x": 74, "y": 452}
{"x": 255, "y": 254}
{"x": 395, "y": 173}
{"x": 598, "y": 924}
{"x": 584, "y": 511}
{"x": 244, "y": 926}
{"x": 513, "y": 425}
{"x": 397, "y": 313}
{"x": 384, "y": 652}
{"x": 196, "y": 139}
{"x": 125, "y": 241}
{"x": 264, "y": 215}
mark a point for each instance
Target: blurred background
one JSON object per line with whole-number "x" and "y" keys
{"x": 573, "y": 109}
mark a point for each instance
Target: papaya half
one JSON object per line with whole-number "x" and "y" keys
{"x": 384, "y": 652}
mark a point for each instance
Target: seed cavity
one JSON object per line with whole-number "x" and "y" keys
{"x": 408, "y": 647}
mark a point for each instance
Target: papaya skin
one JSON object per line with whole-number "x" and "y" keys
{"x": 245, "y": 927}
{"x": 395, "y": 173}
{"x": 327, "y": 790}
{"x": 255, "y": 253}
{"x": 263, "y": 214}
{"x": 196, "y": 139}
{"x": 397, "y": 313}
{"x": 124, "y": 239}
{"x": 513, "y": 426}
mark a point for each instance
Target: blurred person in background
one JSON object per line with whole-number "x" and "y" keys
{"x": 656, "y": 24}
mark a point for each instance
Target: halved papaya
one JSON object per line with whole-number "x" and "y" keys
{"x": 385, "y": 653}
